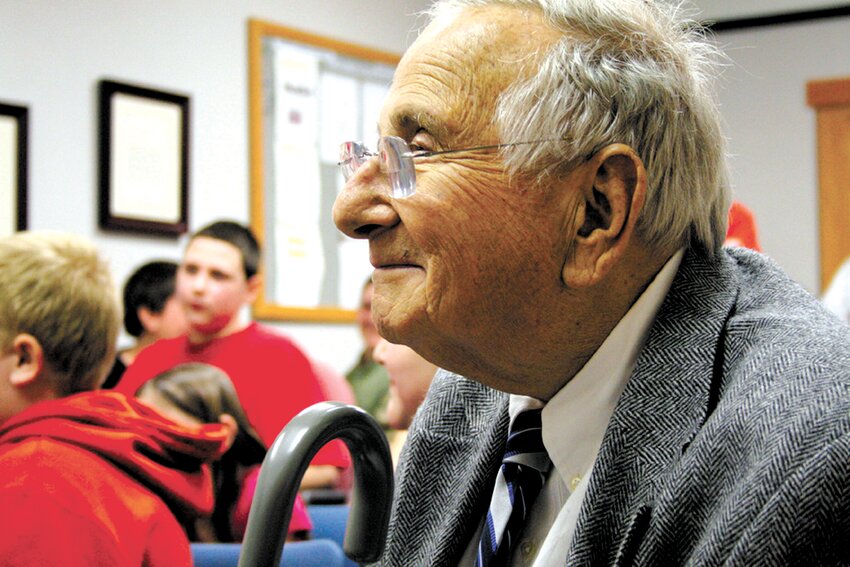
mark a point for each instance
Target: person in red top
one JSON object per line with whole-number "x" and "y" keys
{"x": 97, "y": 479}
{"x": 196, "y": 393}
{"x": 87, "y": 477}
{"x": 742, "y": 229}
{"x": 273, "y": 378}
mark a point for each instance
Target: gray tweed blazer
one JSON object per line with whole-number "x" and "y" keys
{"x": 730, "y": 444}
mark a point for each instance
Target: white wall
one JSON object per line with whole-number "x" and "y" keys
{"x": 52, "y": 55}
{"x": 773, "y": 133}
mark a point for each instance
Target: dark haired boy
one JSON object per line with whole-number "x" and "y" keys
{"x": 151, "y": 312}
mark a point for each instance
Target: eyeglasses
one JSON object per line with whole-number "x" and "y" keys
{"x": 397, "y": 160}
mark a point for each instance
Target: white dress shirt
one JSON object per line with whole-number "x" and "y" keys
{"x": 574, "y": 422}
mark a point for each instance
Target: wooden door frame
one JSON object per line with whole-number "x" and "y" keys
{"x": 831, "y": 100}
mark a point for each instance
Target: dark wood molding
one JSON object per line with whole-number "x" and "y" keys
{"x": 778, "y": 19}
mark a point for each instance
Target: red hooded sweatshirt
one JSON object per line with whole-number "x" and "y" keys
{"x": 89, "y": 479}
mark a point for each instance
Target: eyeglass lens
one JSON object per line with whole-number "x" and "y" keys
{"x": 351, "y": 157}
{"x": 395, "y": 158}
{"x": 395, "y": 154}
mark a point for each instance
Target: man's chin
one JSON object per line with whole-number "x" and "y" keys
{"x": 397, "y": 275}
{"x": 397, "y": 289}
{"x": 397, "y": 326}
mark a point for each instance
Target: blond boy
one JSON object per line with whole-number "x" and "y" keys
{"x": 87, "y": 477}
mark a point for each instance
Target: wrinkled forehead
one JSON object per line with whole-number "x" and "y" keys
{"x": 455, "y": 71}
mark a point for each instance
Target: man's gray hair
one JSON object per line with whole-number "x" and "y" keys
{"x": 636, "y": 72}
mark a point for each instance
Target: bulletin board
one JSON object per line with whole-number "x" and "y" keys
{"x": 308, "y": 94}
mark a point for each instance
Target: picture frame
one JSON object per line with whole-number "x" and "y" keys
{"x": 143, "y": 165}
{"x": 14, "y": 157}
{"x": 308, "y": 94}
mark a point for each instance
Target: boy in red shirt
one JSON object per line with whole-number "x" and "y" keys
{"x": 274, "y": 380}
{"x": 87, "y": 477}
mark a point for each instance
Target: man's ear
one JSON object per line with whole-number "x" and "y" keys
{"x": 29, "y": 360}
{"x": 611, "y": 201}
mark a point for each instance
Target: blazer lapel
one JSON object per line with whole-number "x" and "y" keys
{"x": 668, "y": 397}
{"x": 446, "y": 472}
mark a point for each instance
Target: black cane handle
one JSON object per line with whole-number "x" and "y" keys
{"x": 285, "y": 464}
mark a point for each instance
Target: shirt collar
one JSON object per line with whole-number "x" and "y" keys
{"x": 575, "y": 419}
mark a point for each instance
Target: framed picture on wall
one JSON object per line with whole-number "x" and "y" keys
{"x": 308, "y": 93}
{"x": 143, "y": 159}
{"x": 13, "y": 168}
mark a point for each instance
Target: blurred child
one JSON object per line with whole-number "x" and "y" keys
{"x": 369, "y": 379}
{"x": 741, "y": 228}
{"x": 410, "y": 377}
{"x": 196, "y": 393}
{"x": 87, "y": 477}
{"x": 218, "y": 277}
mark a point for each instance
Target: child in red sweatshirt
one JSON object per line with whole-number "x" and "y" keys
{"x": 87, "y": 477}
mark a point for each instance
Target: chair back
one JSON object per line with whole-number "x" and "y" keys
{"x": 312, "y": 553}
{"x": 329, "y": 521}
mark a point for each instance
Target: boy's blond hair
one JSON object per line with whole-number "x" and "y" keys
{"x": 55, "y": 287}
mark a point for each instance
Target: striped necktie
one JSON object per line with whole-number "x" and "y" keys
{"x": 518, "y": 483}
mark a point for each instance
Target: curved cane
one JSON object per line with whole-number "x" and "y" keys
{"x": 285, "y": 464}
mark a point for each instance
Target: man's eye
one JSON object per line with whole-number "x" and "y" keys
{"x": 421, "y": 142}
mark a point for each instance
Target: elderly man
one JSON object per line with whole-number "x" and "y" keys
{"x": 545, "y": 216}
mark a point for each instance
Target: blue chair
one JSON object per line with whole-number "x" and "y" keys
{"x": 329, "y": 522}
{"x": 312, "y": 553}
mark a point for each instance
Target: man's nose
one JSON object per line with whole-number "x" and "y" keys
{"x": 364, "y": 206}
